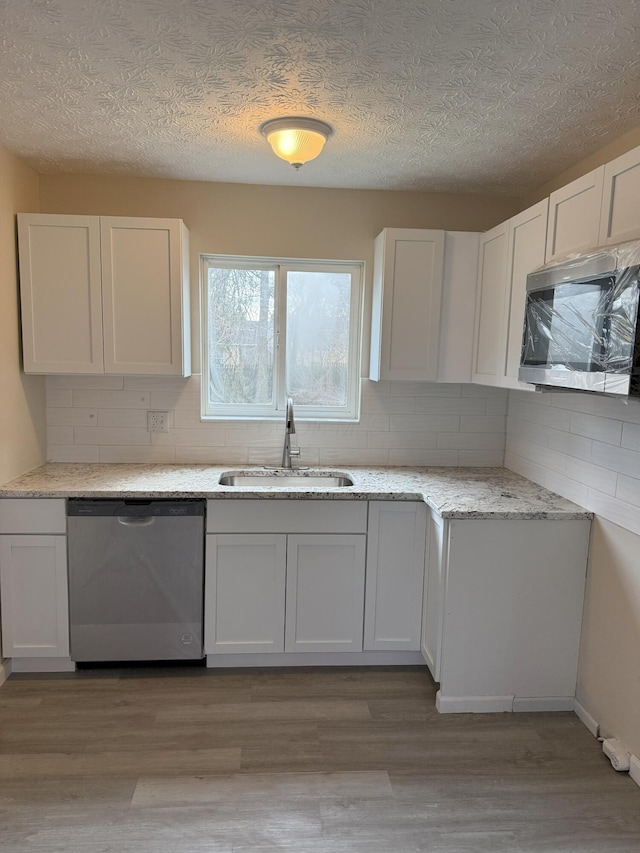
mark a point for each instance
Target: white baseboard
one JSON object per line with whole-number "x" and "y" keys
{"x": 583, "y": 715}
{"x": 473, "y": 704}
{"x": 316, "y": 659}
{"x": 5, "y": 670}
{"x": 42, "y": 665}
{"x": 543, "y": 703}
{"x": 634, "y": 769}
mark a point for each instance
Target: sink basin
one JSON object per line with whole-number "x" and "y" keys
{"x": 275, "y": 479}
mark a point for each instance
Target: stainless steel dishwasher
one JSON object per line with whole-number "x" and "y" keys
{"x": 135, "y": 579}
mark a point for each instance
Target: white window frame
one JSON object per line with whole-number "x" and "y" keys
{"x": 282, "y": 266}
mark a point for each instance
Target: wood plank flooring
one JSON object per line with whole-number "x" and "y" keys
{"x": 184, "y": 760}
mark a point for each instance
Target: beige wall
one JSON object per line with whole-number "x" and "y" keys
{"x": 609, "y": 673}
{"x": 22, "y": 416}
{"x": 603, "y": 155}
{"x": 243, "y": 219}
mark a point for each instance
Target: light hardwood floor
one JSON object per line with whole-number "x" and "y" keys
{"x": 193, "y": 760}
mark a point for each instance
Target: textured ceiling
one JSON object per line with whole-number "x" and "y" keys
{"x": 447, "y": 95}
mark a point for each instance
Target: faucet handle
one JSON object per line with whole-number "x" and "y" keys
{"x": 294, "y": 451}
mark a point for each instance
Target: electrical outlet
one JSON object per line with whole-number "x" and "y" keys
{"x": 158, "y": 421}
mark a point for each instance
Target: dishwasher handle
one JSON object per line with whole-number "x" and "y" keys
{"x": 135, "y": 521}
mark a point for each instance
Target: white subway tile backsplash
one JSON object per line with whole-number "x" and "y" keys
{"x": 593, "y": 459}
{"x": 569, "y": 443}
{"x": 568, "y": 488}
{"x": 110, "y": 399}
{"x": 111, "y": 435}
{"x": 105, "y": 419}
{"x": 94, "y": 382}
{"x": 211, "y": 437}
{"x": 415, "y": 456}
{"x": 339, "y": 456}
{"x": 470, "y": 441}
{"x": 72, "y": 453}
{"x": 524, "y": 467}
{"x": 60, "y": 434}
{"x": 617, "y": 458}
{"x": 373, "y": 405}
{"x": 628, "y": 490}
{"x": 136, "y": 418}
{"x": 425, "y": 423}
{"x": 424, "y": 440}
{"x": 481, "y": 458}
{"x": 210, "y": 455}
{"x": 451, "y": 405}
{"x": 136, "y": 453}
{"x": 57, "y": 397}
{"x": 594, "y": 426}
{"x": 71, "y": 417}
{"x": 592, "y": 475}
{"x": 631, "y": 436}
{"x": 483, "y": 423}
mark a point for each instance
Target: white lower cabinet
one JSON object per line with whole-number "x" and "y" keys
{"x": 395, "y": 574}
{"x": 244, "y": 593}
{"x": 325, "y": 593}
{"x": 33, "y": 592}
{"x": 284, "y": 576}
{"x": 503, "y": 612}
{"x": 33, "y": 581}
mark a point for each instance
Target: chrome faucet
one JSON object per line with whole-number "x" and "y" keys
{"x": 289, "y": 430}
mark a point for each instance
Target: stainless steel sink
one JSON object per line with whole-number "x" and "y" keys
{"x": 278, "y": 480}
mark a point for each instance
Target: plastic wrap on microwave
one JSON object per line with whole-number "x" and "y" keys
{"x": 582, "y": 313}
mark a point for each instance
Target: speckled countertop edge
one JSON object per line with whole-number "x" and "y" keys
{"x": 451, "y": 492}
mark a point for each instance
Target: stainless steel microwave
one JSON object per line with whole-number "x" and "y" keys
{"x": 582, "y": 323}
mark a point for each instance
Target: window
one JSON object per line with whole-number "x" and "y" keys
{"x": 274, "y": 329}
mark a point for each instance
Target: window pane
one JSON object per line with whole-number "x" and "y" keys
{"x": 241, "y": 336}
{"x": 318, "y": 309}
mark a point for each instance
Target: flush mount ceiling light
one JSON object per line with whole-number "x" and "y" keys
{"x": 296, "y": 140}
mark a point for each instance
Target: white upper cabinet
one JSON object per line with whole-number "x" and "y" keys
{"x": 620, "y": 218}
{"x": 574, "y": 216}
{"x": 489, "y": 343}
{"x": 407, "y": 291}
{"x": 457, "y": 314}
{"x": 104, "y": 295}
{"x": 525, "y": 252}
{"x": 145, "y": 306}
{"x": 61, "y": 293}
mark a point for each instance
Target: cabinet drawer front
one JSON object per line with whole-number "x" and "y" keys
{"x": 286, "y": 516}
{"x": 33, "y": 515}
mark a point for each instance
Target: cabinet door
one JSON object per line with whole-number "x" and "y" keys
{"x": 574, "y": 216}
{"x": 433, "y": 602}
{"x": 457, "y": 315}
{"x": 407, "y": 292}
{"x": 620, "y": 217}
{"x": 527, "y": 239}
{"x": 395, "y": 575}
{"x": 244, "y": 593}
{"x": 325, "y": 593}
{"x": 60, "y": 293}
{"x": 33, "y": 591}
{"x": 145, "y": 293}
{"x": 489, "y": 343}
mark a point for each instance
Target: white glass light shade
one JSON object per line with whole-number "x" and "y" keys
{"x": 296, "y": 140}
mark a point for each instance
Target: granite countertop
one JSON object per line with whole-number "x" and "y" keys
{"x": 451, "y": 492}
